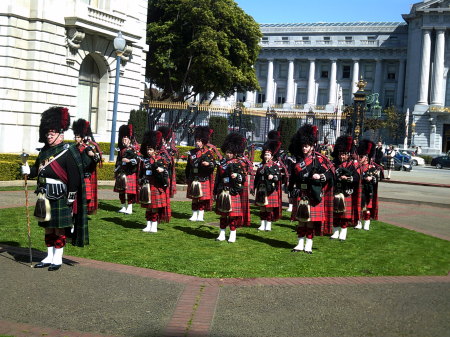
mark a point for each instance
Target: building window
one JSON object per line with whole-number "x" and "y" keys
{"x": 389, "y": 98}
{"x": 348, "y": 39}
{"x": 391, "y": 69}
{"x": 368, "y": 72}
{"x": 324, "y": 71}
{"x": 262, "y": 73}
{"x": 88, "y": 92}
{"x": 303, "y": 70}
{"x": 346, "y": 97}
{"x": 371, "y": 39}
{"x": 326, "y": 39}
{"x": 265, "y": 39}
{"x": 301, "y": 95}
{"x": 345, "y": 71}
{"x": 285, "y": 39}
{"x": 322, "y": 97}
{"x": 282, "y": 70}
{"x": 260, "y": 98}
{"x": 281, "y": 96}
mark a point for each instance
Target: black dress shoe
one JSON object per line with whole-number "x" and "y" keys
{"x": 42, "y": 265}
{"x": 296, "y": 250}
{"x": 308, "y": 252}
{"x": 54, "y": 267}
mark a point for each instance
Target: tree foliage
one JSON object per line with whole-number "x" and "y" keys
{"x": 201, "y": 47}
{"x": 220, "y": 127}
{"x": 287, "y": 128}
{"x": 138, "y": 118}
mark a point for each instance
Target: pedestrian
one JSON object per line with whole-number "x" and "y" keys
{"x": 126, "y": 169}
{"x": 59, "y": 173}
{"x": 200, "y": 174}
{"x": 154, "y": 179}
{"x": 370, "y": 177}
{"x": 379, "y": 153}
{"x": 311, "y": 185}
{"x": 91, "y": 156}
{"x": 346, "y": 184}
{"x": 418, "y": 150}
{"x": 267, "y": 186}
{"x": 231, "y": 201}
{"x": 390, "y": 164}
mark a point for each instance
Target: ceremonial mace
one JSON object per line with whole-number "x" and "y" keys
{"x": 24, "y": 158}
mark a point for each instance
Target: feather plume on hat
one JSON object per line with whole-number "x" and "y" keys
{"x": 56, "y": 118}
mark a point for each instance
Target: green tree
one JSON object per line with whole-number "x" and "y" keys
{"x": 394, "y": 123}
{"x": 220, "y": 127}
{"x": 138, "y": 118}
{"x": 201, "y": 47}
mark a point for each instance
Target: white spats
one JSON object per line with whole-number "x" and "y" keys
{"x": 335, "y": 233}
{"x": 49, "y": 257}
{"x": 57, "y": 256}
{"x": 148, "y": 227}
{"x": 308, "y": 246}
{"x": 343, "y": 234}
{"x": 263, "y": 225}
{"x": 300, "y": 246}
{"x": 221, "y": 236}
{"x": 366, "y": 225}
{"x": 232, "y": 237}
{"x": 194, "y": 216}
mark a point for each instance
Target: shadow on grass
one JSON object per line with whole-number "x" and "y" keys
{"x": 126, "y": 223}
{"x": 180, "y": 215}
{"x": 199, "y": 231}
{"x": 268, "y": 241}
{"x": 292, "y": 225}
{"x": 107, "y": 207}
{"x": 22, "y": 254}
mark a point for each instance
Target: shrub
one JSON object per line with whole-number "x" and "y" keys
{"x": 427, "y": 159}
{"x": 288, "y": 127}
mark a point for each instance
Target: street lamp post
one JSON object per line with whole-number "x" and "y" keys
{"x": 119, "y": 46}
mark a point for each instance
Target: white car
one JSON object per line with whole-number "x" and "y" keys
{"x": 415, "y": 160}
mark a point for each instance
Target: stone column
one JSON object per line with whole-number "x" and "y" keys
{"x": 269, "y": 83}
{"x": 332, "y": 86}
{"x": 290, "y": 83}
{"x": 355, "y": 76}
{"x": 311, "y": 82}
{"x": 249, "y": 98}
{"x": 378, "y": 76}
{"x": 425, "y": 68}
{"x": 400, "y": 83}
{"x": 437, "y": 96}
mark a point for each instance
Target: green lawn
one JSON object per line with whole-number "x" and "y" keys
{"x": 190, "y": 248}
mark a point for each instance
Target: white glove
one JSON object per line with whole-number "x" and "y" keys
{"x": 25, "y": 169}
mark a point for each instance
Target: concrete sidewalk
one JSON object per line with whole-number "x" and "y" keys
{"x": 92, "y": 298}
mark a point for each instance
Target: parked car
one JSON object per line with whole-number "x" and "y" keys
{"x": 398, "y": 164}
{"x": 415, "y": 160}
{"x": 402, "y": 156}
{"x": 441, "y": 161}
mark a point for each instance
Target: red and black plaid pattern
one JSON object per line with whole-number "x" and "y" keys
{"x": 92, "y": 192}
{"x": 236, "y": 207}
{"x": 206, "y": 189}
{"x": 350, "y": 204}
{"x": 150, "y": 215}
{"x": 158, "y": 196}
{"x": 132, "y": 185}
{"x": 60, "y": 241}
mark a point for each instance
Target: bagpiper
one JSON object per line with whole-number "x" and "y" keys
{"x": 169, "y": 151}
{"x": 267, "y": 186}
{"x": 311, "y": 186}
{"x": 154, "y": 179}
{"x": 231, "y": 201}
{"x": 199, "y": 174}
{"x": 346, "y": 186}
{"x": 60, "y": 188}
{"x": 370, "y": 177}
{"x": 91, "y": 155}
{"x": 126, "y": 169}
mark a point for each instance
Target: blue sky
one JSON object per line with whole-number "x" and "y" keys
{"x": 299, "y": 11}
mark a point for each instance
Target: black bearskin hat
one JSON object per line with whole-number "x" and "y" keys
{"x": 82, "y": 128}
{"x": 272, "y": 146}
{"x": 366, "y": 147}
{"x": 125, "y": 131}
{"x": 274, "y": 135}
{"x": 343, "y": 144}
{"x": 306, "y": 135}
{"x": 235, "y": 143}
{"x": 166, "y": 132}
{"x": 56, "y": 118}
{"x": 152, "y": 139}
{"x": 203, "y": 133}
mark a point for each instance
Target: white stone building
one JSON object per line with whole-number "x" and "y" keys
{"x": 316, "y": 66}
{"x": 60, "y": 52}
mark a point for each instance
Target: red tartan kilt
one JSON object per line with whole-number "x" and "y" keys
{"x": 91, "y": 192}
{"x": 273, "y": 199}
{"x": 236, "y": 207}
{"x": 317, "y": 212}
{"x": 158, "y": 197}
{"x": 132, "y": 185}
{"x": 349, "y": 213}
{"x": 89, "y": 188}
{"x": 206, "y": 189}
